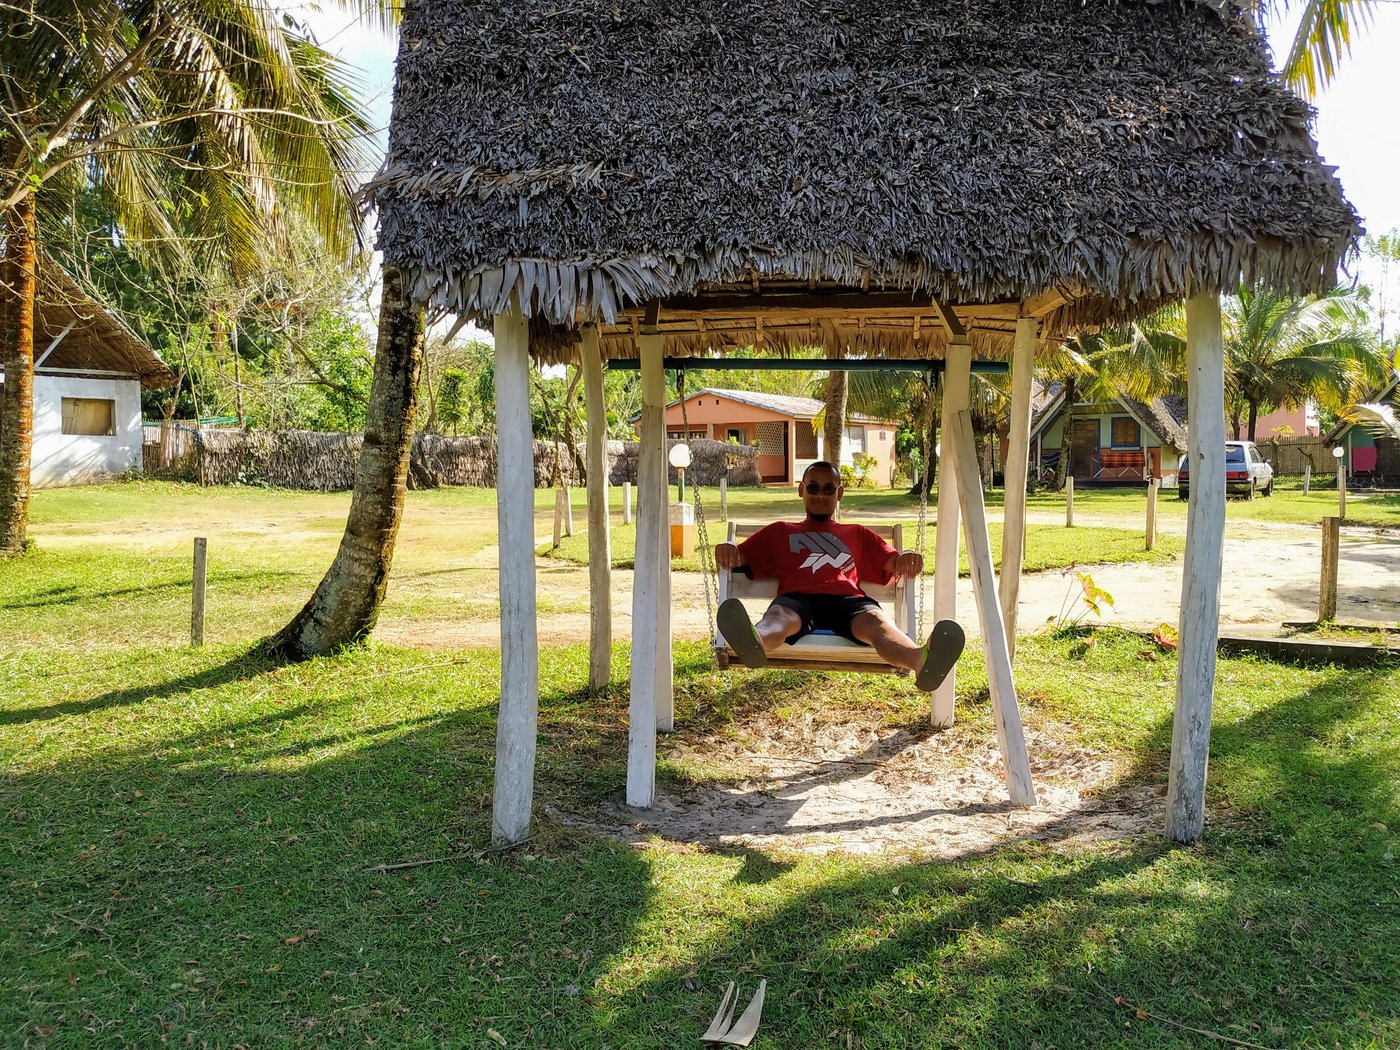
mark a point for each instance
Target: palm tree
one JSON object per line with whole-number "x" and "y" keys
{"x": 834, "y": 415}
{"x": 199, "y": 122}
{"x": 1324, "y": 35}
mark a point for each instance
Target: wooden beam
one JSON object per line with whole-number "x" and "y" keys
{"x": 951, "y": 324}
{"x": 1039, "y": 305}
{"x": 957, "y": 380}
{"x": 646, "y": 579}
{"x": 1016, "y": 471}
{"x": 1000, "y": 680}
{"x": 518, "y": 719}
{"x": 1200, "y": 587}
{"x": 599, "y": 526}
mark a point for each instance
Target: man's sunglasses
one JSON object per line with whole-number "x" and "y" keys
{"x": 813, "y": 489}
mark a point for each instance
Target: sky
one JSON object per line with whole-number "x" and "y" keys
{"x": 1357, "y": 126}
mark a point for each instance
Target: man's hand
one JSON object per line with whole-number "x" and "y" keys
{"x": 727, "y": 556}
{"x": 906, "y": 563}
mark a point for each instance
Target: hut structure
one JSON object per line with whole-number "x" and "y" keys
{"x": 884, "y": 179}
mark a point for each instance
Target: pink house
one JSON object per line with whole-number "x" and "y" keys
{"x": 781, "y": 427}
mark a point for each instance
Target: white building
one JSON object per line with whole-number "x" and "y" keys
{"x": 89, "y": 371}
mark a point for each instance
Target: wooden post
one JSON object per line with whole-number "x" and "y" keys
{"x": 568, "y": 510}
{"x": 599, "y": 528}
{"x": 1200, "y": 587}
{"x": 1307, "y": 477}
{"x": 1151, "y": 529}
{"x": 1331, "y": 551}
{"x": 646, "y": 579}
{"x": 724, "y": 499}
{"x": 1342, "y": 488}
{"x": 626, "y": 502}
{"x": 201, "y": 562}
{"x": 1015, "y": 473}
{"x": 957, "y": 393}
{"x": 1069, "y": 500}
{"x": 559, "y": 498}
{"x": 518, "y": 718}
{"x": 1000, "y": 680}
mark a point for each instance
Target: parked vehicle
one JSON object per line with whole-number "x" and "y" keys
{"x": 1247, "y": 472}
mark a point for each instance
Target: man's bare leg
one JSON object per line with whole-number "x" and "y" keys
{"x": 754, "y": 643}
{"x": 930, "y": 662}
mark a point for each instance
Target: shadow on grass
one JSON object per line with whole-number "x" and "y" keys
{"x": 198, "y": 885}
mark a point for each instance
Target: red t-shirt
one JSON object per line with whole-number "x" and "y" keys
{"x": 817, "y": 557}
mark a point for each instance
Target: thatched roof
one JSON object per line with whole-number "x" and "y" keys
{"x": 1164, "y": 416}
{"x": 758, "y": 167}
{"x": 783, "y": 404}
{"x": 92, "y": 338}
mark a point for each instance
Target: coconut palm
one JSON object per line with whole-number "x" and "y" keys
{"x": 200, "y": 123}
{"x": 1324, "y": 35}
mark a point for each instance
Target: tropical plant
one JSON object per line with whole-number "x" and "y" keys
{"x": 1324, "y": 34}
{"x": 199, "y": 123}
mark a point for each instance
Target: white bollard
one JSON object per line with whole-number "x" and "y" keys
{"x": 626, "y": 503}
{"x": 1069, "y": 501}
{"x": 1151, "y": 513}
{"x": 724, "y": 499}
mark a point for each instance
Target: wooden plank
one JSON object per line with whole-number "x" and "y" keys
{"x": 201, "y": 563}
{"x": 1043, "y": 303}
{"x": 1016, "y": 471}
{"x": 957, "y": 392}
{"x": 1000, "y": 679}
{"x": 518, "y": 717}
{"x": 1200, "y": 587}
{"x": 1331, "y": 552}
{"x": 951, "y": 324}
{"x": 599, "y": 526}
{"x": 646, "y": 580}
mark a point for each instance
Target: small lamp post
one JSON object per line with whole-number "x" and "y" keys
{"x": 682, "y": 516}
{"x": 1337, "y": 454}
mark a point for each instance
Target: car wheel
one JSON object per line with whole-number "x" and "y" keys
{"x": 1252, "y": 484}
{"x": 1269, "y": 488}
{"x": 1183, "y": 494}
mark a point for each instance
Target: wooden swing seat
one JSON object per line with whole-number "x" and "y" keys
{"x": 821, "y": 650}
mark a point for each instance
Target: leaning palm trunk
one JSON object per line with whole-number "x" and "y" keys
{"x": 1066, "y": 438}
{"x": 346, "y": 604}
{"x": 834, "y": 428}
{"x": 17, "y": 288}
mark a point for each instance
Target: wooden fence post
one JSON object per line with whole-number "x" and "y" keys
{"x": 568, "y": 511}
{"x": 1341, "y": 488}
{"x": 1069, "y": 501}
{"x": 1151, "y": 513}
{"x": 1307, "y": 477}
{"x": 724, "y": 499}
{"x": 626, "y": 502}
{"x": 201, "y": 563}
{"x": 1331, "y": 551}
{"x": 559, "y": 498}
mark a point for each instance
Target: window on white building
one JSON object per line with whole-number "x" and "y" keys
{"x": 92, "y": 416}
{"x": 855, "y": 440}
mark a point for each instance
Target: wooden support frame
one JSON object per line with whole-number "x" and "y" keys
{"x": 517, "y": 723}
{"x": 651, "y": 634}
{"x": 957, "y": 379}
{"x": 1016, "y": 471}
{"x": 1000, "y": 680}
{"x": 1200, "y": 587}
{"x": 599, "y": 527}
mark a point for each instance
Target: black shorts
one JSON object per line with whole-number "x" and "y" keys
{"x": 826, "y": 612}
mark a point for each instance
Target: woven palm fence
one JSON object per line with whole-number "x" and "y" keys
{"x": 309, "y": 460}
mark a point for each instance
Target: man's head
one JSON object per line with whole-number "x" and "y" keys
{"x": 821, "y": 490}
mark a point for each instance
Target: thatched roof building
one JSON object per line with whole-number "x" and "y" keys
{"x": 1093, "y": 157}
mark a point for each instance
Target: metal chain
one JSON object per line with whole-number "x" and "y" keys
{"x": 923, "y": 511}
{"x": 707, "y": 565}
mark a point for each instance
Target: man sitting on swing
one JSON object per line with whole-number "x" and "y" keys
{"x": 819, "y": 563}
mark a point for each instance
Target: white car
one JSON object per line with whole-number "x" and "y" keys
{"x": 1246, "y": 472}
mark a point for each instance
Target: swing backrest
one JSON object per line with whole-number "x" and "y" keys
{"x": 895, "y": 596}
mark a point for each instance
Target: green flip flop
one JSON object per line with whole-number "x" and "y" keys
{"x": 734, "y": 624}
{"x": 941, "y": 652}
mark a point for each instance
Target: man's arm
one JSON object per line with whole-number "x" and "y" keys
{"x": 905, "y": 563}
{"x": 727, "y": 556}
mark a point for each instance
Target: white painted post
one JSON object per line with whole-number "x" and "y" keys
{"x": 568, "y": 510}
{"x": 1200, "y": 586}
{"x": 646, "y": 579}
{"x": 201, "y": 562}
{"x": 518, "y": 718}
{"x": 1000, "y": 680}
{"x": 957, "y": 394}
{"x": 1151, "y": 527}
{"x": 1069, "y": 501}
{"x": 724, "y": 499}
{"x": 1307, "y": 478}
{"x": 1016, "y": 471}
{"x": 665, "y": 655}
{"x": 1342, "y": 488}
{"x": 599, "y": 528}
{"x": 626, "y": 502}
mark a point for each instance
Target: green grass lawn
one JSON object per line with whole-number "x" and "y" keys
{"x": 188, "y": 836}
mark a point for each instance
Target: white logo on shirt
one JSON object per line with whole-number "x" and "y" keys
{"x": 825, "y": 549}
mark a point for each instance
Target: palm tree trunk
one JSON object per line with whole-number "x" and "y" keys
{"x": 17, "y": 289}
{"x": 1253, "y": 419}
{"x": 346, "y": 604}
{"x": 834, "y": 429}
{"x": 1067, "y": 436}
